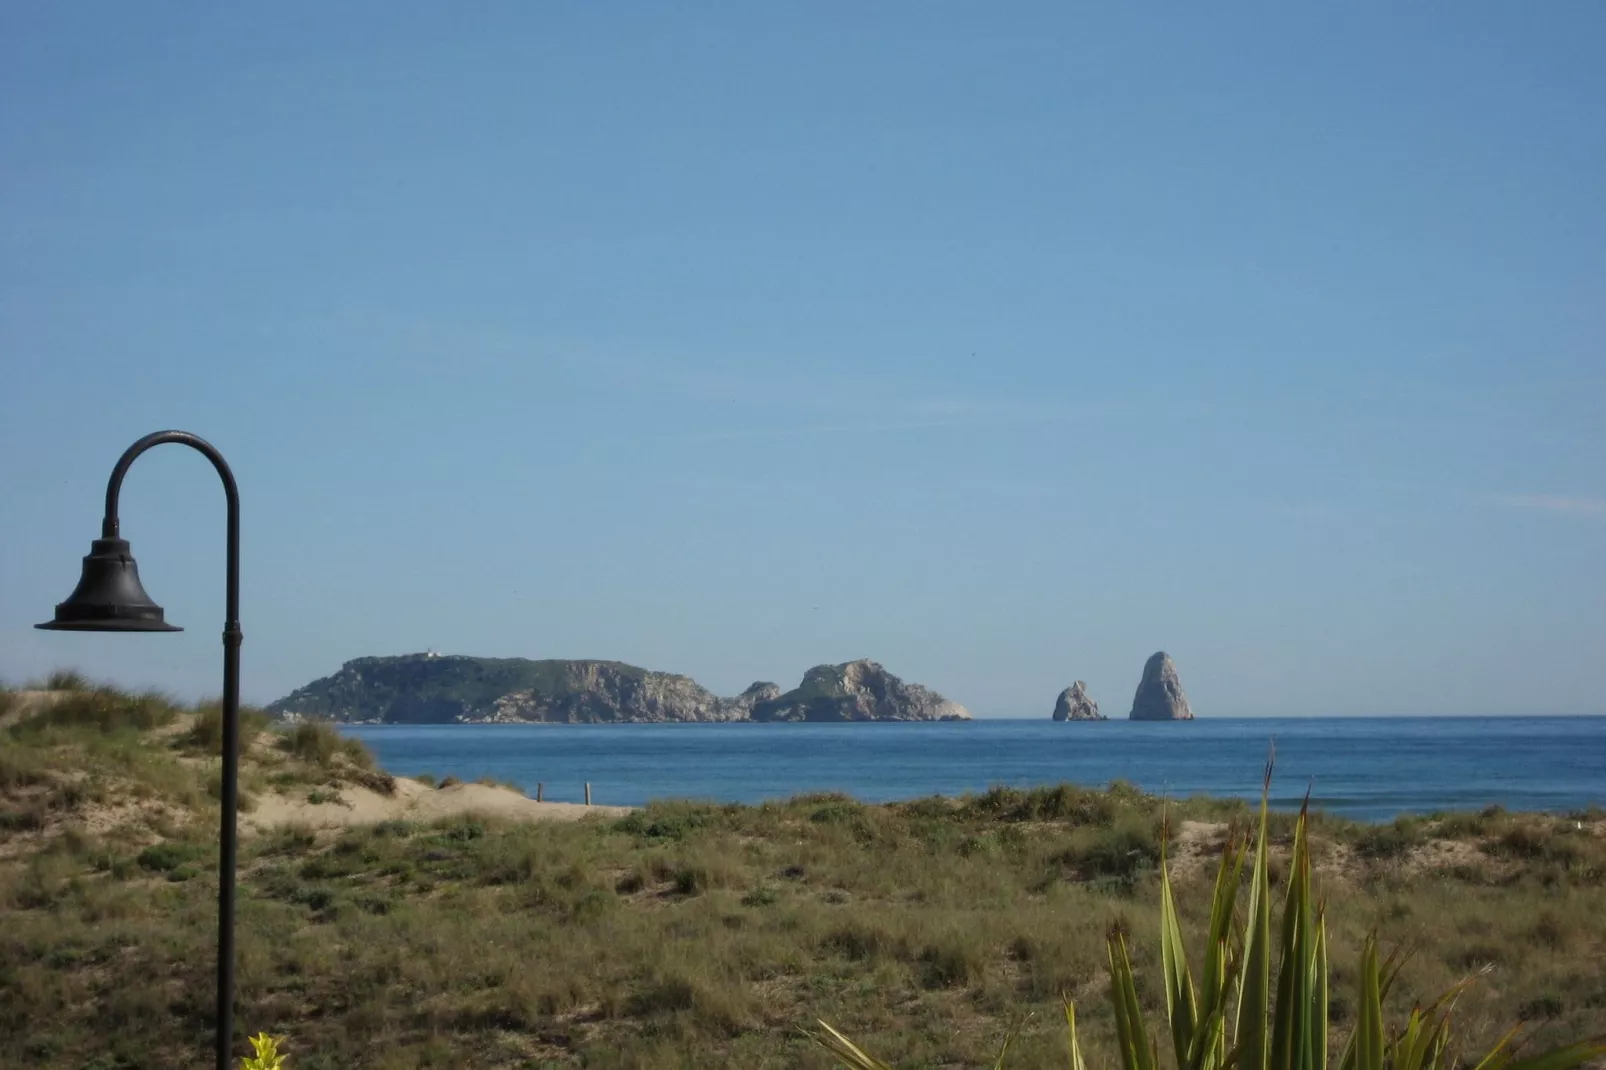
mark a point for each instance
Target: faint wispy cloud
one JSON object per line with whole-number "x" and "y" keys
{"x": 804, "y": 430}
{"x": 726, "y": 397}
{"x": 884, "y": 412}
{"x": 1561, "y": 504}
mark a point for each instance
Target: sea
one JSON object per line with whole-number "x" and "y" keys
{"x": 1368, "y": 769}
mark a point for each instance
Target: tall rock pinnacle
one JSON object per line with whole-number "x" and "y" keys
{"x": 1160, "y": 696}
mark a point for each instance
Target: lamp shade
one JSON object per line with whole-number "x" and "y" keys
{"x": 109, "y": 596}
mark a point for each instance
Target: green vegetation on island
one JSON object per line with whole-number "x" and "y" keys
{"x": 686, "y": 934}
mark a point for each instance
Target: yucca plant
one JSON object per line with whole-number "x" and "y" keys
{"x": 1235, "y": 1019}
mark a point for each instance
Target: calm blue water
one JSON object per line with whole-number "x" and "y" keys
{"x": 1367, "y": 768}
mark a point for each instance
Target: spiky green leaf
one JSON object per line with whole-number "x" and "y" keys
{"x": 1130, "y": 1031}
{"x": 1077, "y": 1062}
{"x": 1254, "y": 990}
{"x": 846, "y": 1052}
{"x": 1369, "y": 1026}
{"x": 1181, "y": 1007}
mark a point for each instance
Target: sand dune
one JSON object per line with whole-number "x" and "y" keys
{"x": 412, "y": 801}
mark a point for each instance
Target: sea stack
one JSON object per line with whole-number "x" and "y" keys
{"x": 1075, "y": 704}
{"x": 1160, "y": 696}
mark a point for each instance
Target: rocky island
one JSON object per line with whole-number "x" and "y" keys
{"x": 857, "y": 691}
{"x": 1075, "y": 704}
{"x": 1160, "y": 696}
{"x": 443, "y": 689}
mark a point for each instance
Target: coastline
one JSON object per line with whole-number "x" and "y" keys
{"x": 1373, "y": 769}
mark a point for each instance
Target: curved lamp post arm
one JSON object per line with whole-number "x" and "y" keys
{"x": 232, "y": 637}
{"x": 114, "y": 487}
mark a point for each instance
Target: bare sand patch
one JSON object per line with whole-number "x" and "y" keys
{"x": 1197, "y": 847}
{"x": 412, "y": 801}
{"x": 25, "y": 703}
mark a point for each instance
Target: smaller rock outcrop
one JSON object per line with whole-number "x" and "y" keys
{"x": 1160, "y": 696}
{"x": 740, "y": 708}
{"x": 1075, "y": 704}
{"x": 857, "y": 691}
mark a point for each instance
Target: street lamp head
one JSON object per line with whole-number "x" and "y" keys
{"x": 109, "y": 596}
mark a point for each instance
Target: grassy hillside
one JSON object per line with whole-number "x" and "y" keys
{"x": 682, "y": 935}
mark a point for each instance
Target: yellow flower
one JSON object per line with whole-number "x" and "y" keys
{"x": 267, "y": 1054}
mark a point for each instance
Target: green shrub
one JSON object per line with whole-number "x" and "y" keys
{"x": 24, "y": 818}
{"x": 1551, "y": 931}
{"x": 690, "y": 880}
{"x": 1541, "y": 1007}
{"x": 952, "y": 961}
{"x": 321, "y": 743}
{"x": 666, "y": 821}
{"x": 859, "y": 941}
{"x": 316, "y": 898}
{"x": 462, "y": 830}
{"x": 1461, "y": 826}
{"x": 932, "y": 807}
{"x": 167, "y": 856}
{"x": 1069, "y": 803}
{"x": 1120, "y": 850}
{"x": 762, "y": 896}
{"x": 663, "y": 995}
{"x": 1537, "y": 842}
{"x": 1391, "y": 840}
{"x": 842, "y": 811}
{"x": 290, "y": 840}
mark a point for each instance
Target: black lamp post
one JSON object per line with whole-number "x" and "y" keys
{"x": 110, "y": 598}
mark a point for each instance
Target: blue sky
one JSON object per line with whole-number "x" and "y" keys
{"x": 1006, "y": 345}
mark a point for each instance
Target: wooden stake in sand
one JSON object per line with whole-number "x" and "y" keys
{"x": 539, "y": 789}
{"x": 588, "y": 793}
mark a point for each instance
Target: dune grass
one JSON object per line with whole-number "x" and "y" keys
{"x": 205, "y": 734}
{"x": 1264, "y": 998}
{"x": 65, "y": 680}
{"x": 690, "y": 934}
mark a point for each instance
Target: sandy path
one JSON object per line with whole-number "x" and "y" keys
{"x": 413, "y": 802}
